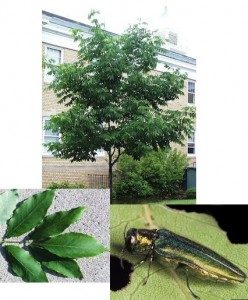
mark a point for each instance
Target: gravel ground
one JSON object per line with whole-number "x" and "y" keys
{"x": 95, "y": 222}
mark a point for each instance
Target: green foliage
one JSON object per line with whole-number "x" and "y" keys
{"x": 56, "y": 223}
{"x": 47, "y": 245}
{"x": 24, "y": 265}
{"x": 191, "y": 193}
{"x": 66, "y": 185}
{"x": 8, "y": 201}
{"x": 72, "y": 245}
{"x": 68, "y": 268}
{"x": 29, "y": 213}
{"x": 158, "y": 173}
{"x": 164, "y": 282}
{"x": 132, "y": 185}
{"x": 114, "y": 100}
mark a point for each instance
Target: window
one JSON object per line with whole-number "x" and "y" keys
{"x": 55, "y": 54}
{"x": 191, "y": 92}
{"x": 100, "y": 152}
{"x": 49, "y": 136}
{"x": 191, "y": 144}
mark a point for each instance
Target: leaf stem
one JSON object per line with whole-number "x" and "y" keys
{"x": 12, "y": 242}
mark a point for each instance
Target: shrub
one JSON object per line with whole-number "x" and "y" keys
{"x": 66, "y": 185}
{"x": 132, "y": 185}
{"x": 158, "y": 173}
{"x": 191, "y": 193}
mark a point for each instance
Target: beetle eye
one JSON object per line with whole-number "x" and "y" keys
{"x": 130, "y": 243}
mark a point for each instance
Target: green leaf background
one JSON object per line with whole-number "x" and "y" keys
{"x": 165, "y": 283}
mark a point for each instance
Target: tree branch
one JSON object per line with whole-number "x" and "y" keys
{"x": 118, "y": 156}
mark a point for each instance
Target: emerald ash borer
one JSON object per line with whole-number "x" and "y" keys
{"x": 180, "y": 251}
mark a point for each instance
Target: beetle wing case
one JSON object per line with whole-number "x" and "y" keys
{"x": 200, "y": 259}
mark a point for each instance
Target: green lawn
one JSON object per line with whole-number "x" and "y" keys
{"x": 160, "y": 201}
{"x": 185, "y": 201}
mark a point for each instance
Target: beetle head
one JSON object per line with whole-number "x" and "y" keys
{"x": 140, "y": 241}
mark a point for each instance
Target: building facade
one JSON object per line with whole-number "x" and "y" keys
{"x": 58, "y": 44}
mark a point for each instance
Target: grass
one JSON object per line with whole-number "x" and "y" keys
{"x": 185, "y": 201}
{"x": 159, "y": 201}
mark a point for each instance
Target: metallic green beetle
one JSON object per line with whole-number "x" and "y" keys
{"x": 179, "y": 250}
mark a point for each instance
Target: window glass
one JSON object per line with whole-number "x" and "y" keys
{"x": 191, "y": 92}
{"x": 49, "y": 136}
{"x": 191, "y": 144}
{"x": 55, "y": 55}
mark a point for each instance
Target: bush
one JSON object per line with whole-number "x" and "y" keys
{"x": 191, "y": 193}
{"x": 131, "y": 186}
{"x": 66, "y": 185}
{"x": 157, "y": 174}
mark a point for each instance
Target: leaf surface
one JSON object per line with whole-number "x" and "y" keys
{"x": 68, "y": 268}
{"x": 56, "y": 223}
{"x": 29, "y": 213}
{"x": 64, "y": 266}
{"x": 164, "y": 282}
{"x": 8, "y": 201}
{"x": 24, "y": 265}
{"x": 72, "y": 245}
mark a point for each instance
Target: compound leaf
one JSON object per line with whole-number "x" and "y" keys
{"x": 29, "y": 213}
{"x": 8, "y": 201}
{"x": 72, "y": 245}
{"x": 56, "y": 223}
{"x": 24, "y": 265}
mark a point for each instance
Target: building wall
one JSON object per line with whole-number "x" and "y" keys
{"x": 50, "y": 103}
{"x": 57, "y": 170}
{"x": 178, "y": 104}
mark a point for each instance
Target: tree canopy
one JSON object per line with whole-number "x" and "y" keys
{"x": 116, "y": 102}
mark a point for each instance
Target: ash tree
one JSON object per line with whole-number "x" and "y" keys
{"x": 115, "y": 100}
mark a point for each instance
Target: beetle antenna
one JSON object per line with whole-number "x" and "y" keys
{"x": 121, "y": 257}
{"x": 124, "y": 249}
{"x": 124, "y": 233}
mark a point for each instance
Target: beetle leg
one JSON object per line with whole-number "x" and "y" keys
{"x": 150, "y": 262}
{"x": 187, "y": 280}
{"x": 139, "y": 263}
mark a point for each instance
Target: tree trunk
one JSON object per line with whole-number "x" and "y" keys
{"x": 110, "y": 175}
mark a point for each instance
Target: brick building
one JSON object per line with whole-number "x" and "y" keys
{"x": 58, "y": 44}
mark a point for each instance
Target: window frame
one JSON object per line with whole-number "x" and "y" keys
{"x": 49, "y": 78}
{"x": 45, "y": 151}
{"x": 191, "y": 93}
{"x": 191, "y": 140}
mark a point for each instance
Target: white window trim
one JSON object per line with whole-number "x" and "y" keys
{"x": 192, "y": 104}
{"x": 191, "y": 154}
{"x": 45, "y": 152}
{"x": 47, "y": 78}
